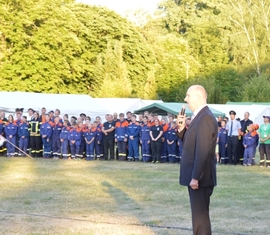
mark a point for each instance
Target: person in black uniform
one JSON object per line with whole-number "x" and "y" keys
{"x": 156, "y": 132}
{"x": 108, "y": 137}
{"x": 35, "y": 138}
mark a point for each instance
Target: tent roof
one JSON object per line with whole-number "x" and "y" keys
{"x": 173, "y": 108}
{"x": 247, "y": 103}
{"x": 122, "y": 105}
{"x": 72, "y": 104}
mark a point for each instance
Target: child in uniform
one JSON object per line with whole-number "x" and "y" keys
{"x": 56, "y": 144}
{"x": 145, "y": 140}
{"x": 172, "y": 142}
{"x": 250, "y": 142}
{"x": 222, "y": 143}
{"x": 89, "y": 136}
{"x": 46, "y": 135}
{"x": 11, "y": 132}
{"x": 24, "y": 135}
{"x": 64, "y": 139}
{"x": 74, "y": 137}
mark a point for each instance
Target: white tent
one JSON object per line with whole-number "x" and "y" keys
{"x": 122, "y": 105}
{"x": 259, "y": 118}
{"x": 70, "y": 104}
{"x": 253, "y": 109}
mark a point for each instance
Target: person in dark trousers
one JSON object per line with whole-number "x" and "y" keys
{"x": 108, "y": 138}
{"x": 35, "y": 138}
{"x": 222, "y": 143}
{"x": 244, "y": 130}
{"x": 156, "y": 133}
{"x": 121, "y": 137}
{"x": 133, "y": 133}
{"x": 198, "y": 164}
{"x": 234, "y": 130}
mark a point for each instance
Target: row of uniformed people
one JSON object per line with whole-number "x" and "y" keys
{"x": 158, "y": 140}
{"x": 55, "y": 137}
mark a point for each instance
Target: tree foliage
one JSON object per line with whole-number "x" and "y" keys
{"x": 60, "y": 46}
{"x": 56, "y": 46}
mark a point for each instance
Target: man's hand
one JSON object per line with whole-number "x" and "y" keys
{"x": 194, "y": 184}
{"x": 181, "y": 122}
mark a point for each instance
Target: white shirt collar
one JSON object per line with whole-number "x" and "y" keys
{"x": 198, "y": 110}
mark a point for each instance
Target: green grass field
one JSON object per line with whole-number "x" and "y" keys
{"x": 77, "y": 197}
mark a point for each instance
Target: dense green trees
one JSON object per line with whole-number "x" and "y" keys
{"x": 61, "y": 46}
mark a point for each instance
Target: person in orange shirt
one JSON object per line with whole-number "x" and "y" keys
{"x": 121, "y": 136}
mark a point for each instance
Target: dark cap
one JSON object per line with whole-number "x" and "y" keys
{"x": 51, "y": 111}
{"x": 82, "y": 114}
{"x": 232, "y": 112}
{"x": 73, "y": 117}
{"x": 266, "y": 117}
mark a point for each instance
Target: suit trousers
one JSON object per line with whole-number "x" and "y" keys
{"x": 232, "y": 149}
{"x": 199, "y": 203}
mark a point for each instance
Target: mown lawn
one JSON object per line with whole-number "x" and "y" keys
{"x": 77, "y": 197}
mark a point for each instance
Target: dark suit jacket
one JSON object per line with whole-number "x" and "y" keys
{"x": 198, "y": 154}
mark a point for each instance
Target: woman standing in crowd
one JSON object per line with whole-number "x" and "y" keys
{"x": 156, "y": 132}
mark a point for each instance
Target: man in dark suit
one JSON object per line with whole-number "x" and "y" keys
{"x": 198, "y": 164}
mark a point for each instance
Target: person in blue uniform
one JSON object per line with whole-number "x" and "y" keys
{"x": 24, "y": 134}
{"x": 99, "y": 139}
{"x": 172, "y": 142}
{"x": 244, "y": 129}
{"x": 133, "y": 132}
{"x": 145, "y": 140}
{"x": 121, "y": 137}
{"x": 74, "y": 137}
{"x": 156, "y": 132}
{"x": 11, "y": 133}
{"x": 56, "y": 144}
{"x": 222, "y": 142}
{"x": 64, "y": 139}
{"x": 46, "y": 136}
{"x": 89, "y": 136}
{"x": 250, "y": 142}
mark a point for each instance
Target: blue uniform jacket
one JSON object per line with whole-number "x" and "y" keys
{"x": 23, "y": 130}
{"x": 90, "y": 134}
{"x": 145, "y": 132}
{"x": 64, "y": 133}
{"x": 98, "y": 134}
{"x": 171, "y": 135}
{"x": 121, "y": 130}
{"x": 133, "y": 130}
{"x": 223, "y": 135}
{"x": 250, "y": 141}
{"x": 46, "y": 129}
{"x": 56, "y": 130}
{"x": 75, "y": 134}
{"x": 10, "y": 129}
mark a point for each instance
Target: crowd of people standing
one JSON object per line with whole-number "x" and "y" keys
{"x": 238, "y": 140}
{"x": 121, "y": 137}
{"x": 126, "y": 137}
